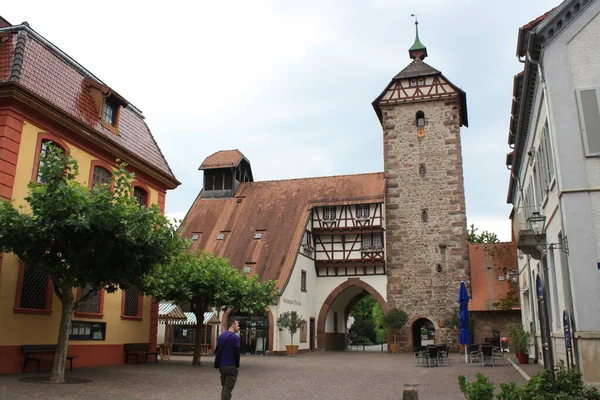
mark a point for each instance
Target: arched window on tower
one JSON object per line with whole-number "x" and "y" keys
{"x": 420, "y": 116}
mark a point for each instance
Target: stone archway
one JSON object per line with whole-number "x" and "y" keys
{"x": 414, "y": 321}
{"x": 356, "y": 283}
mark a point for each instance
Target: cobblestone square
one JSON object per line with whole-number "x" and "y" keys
{"x": 320, "y": 375}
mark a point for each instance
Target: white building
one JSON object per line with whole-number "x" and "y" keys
{"x": 555, "y": 184}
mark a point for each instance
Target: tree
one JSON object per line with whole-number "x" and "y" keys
{"x": 364, "y": 322}
{"x": 202, "y": 280}
{"x": 80, "y": 238}
{"x": 291, "y": 321}
{"x": 395, "y": 319}
{"x": 483, "y": 237}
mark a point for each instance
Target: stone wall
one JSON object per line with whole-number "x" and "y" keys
{"x": 427, "y": 255}
{"x": 486, "y": 322}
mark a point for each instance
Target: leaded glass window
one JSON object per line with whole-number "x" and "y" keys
{"x": 110, "y": 111}
{"x": 329, "y": 213}
{"x": 35, "y": 288}
{"x": 362, "y": 211}
{"x": 92, "y": 303}
{"x": 132, "y": 297}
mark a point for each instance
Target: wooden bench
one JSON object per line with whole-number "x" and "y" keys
{"x": 39, "y": 352}
{"x": 137, "y": 349}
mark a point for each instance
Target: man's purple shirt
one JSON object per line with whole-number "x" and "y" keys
{"x": 228, "y": 343}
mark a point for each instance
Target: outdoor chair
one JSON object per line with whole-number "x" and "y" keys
{"x": 432, "y": 356}
{"x": 421, "y": 358}
{"x": 498, "y": 353}
{"x": 443, "y": 354}
{"x": 487, "y": 354}
{"x": 473, "y": 353}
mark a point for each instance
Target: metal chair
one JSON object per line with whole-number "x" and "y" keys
{"x": 487, "y": 354}
{"x": 443, "y": 353}
{"x": 473, "y": 353}
{"x": 432, "y": 356}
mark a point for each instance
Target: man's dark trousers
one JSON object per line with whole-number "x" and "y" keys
{"x": 229, "y": 375}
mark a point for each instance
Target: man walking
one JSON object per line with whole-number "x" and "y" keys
{"x": 228, "y": 348}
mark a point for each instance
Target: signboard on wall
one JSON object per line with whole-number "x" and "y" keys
{"x": 86, "y": 330}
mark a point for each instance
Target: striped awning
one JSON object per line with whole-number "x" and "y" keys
{"x": 210, "y": 318}
{"x": 170, "y": 311}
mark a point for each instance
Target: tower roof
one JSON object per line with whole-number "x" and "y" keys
{"x": 417, "y": 68}
{"x": 418, "y": 49}
{"x": 223, "y": 159}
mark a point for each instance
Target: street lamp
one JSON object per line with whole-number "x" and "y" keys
{"x": 537, "y": 224}
{"x": 513, "y": 276}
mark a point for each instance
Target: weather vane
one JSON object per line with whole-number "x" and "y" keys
{"x": 416, "y": 21}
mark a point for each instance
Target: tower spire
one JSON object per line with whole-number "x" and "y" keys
{"x": 418, "y": 49}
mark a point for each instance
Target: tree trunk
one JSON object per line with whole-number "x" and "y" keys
{"x": 291, "y": 339}
{"x": 198, "y": 338}
{"x": 60, "y": 359}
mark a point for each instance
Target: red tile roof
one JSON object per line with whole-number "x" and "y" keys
{"x": 60, "y": 83}
{"x": 279, "y": 209}
{"x": 488, "y": 262}
{"x": 532, "y": 24}
{"x": 223, "y": 159}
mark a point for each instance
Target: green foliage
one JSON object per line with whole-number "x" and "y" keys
{"x": 367, "y": 315}
{"x": 202, "y": 280}
{"x": 480, "y": 389}
{"x": 395, "y": 319}
{"x": 568, "y": 385}
{"x": 291, "y": 321}
{"x": 84, "y": 238}
{"x": 380, "y": 335}
{"x": 518, "y": 338}
{"x": 483, "y": 237}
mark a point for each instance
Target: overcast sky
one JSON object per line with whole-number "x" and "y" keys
{"x": 290, "y": 83}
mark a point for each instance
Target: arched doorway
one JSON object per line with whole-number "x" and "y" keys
{"x": 423, "y": 332}
{"x": 331, "y": 324}
{"x": 255, "y": 331}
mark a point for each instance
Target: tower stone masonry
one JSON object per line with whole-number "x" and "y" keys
{"x": 421, "y": 113}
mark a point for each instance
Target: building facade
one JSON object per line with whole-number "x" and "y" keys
{"x": 47, "y": 97}
{"x": 399, "y": 235}
{"x": 555, "y": 184}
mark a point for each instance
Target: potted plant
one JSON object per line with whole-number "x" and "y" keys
{"x": 395, "y": 319}
{"x": 291, "y": 321}
{"x": 519, "y": 340}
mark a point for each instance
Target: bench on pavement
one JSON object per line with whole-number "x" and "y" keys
{"x": 39, "y": 352}
{"x": 137, "y": 349}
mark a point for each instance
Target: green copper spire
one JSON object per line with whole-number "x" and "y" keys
{"x": 418, "y": 49}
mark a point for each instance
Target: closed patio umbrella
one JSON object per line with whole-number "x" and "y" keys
{"x": 463, "y": 313}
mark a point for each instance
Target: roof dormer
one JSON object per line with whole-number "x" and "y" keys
{"x": 224, "y": 171}
{"x": 108, "y": 104}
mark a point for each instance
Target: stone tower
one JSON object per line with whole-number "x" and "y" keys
{"x": 426, "y": 230}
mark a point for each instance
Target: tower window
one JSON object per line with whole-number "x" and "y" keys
{"x": 420, "y": 116}
{"x": 425, "y": 215}
{"x": 413, "y": 82}
{"x": 362, "y": 211}
{"x": 421, "y": 82}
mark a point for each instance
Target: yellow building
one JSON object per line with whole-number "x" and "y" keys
{"x": 46, "y": 96}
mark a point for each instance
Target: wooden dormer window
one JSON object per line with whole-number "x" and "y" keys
{"x": 108, "y": 104}
{"x": 109, "y": 114}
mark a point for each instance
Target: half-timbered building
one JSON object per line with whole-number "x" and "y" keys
{"x": 398, "y": 235}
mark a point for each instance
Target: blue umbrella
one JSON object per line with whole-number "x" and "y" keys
{"x": 463, "y": 313}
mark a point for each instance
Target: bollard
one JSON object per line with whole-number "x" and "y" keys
{"x": 410, "y": 394}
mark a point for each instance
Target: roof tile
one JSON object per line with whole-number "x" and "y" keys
{"x": 488, "y": 262}
{"x": 281, "y": 210}
{"x": 417, "y": 68}
{"x": 223, "y": 159}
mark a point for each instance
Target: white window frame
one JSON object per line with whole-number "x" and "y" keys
{"x": 583, "y": 128}
{"x": 328, "y": 211}
{"x": 363, "y": 211}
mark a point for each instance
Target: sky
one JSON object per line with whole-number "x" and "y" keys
{"x": 290, "y": 84}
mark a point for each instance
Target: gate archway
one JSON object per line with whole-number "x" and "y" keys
{"x": 422, "y": 331}
{"x": 330, "y": 336}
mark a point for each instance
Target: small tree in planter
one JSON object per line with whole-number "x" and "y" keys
{"x": 395, "y": 319}
{"x": 291, "y": 321}
{"x": 519, "y": 341}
